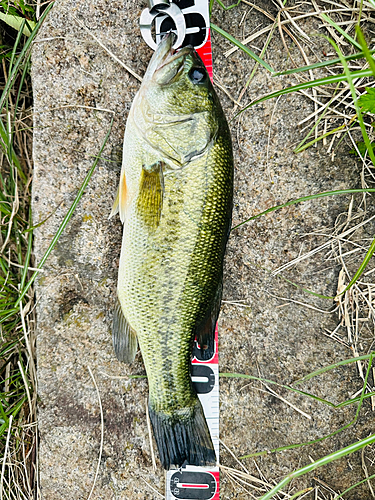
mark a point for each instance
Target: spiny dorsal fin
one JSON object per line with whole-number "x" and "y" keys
{"x": 123, "y": 336}
{"x": 151, "y": 192}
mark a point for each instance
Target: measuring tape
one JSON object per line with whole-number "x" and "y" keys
{"x": 190, "y": 21}
{"x": 193, "y": 482}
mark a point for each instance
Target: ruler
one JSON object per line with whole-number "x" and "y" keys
{"x": 193, "y": 482}
{"x": 198, "y": 33}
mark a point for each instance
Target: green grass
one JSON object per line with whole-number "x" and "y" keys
{"x": 17, "y": 400}
{"x": 18, "y": 396}
{"x": 363, "y": 110}
{"x": 346, "y": 76}
{"x": 351, "y": 401}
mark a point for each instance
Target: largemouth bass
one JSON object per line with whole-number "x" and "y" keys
{"x": 175, "y": 201}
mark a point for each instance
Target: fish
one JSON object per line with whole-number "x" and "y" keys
{"x": 174, "y": 199}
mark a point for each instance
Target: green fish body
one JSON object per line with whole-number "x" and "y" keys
{"x": 175, "y": 201}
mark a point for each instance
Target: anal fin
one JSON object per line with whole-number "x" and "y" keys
{"x": 124, "y": 337}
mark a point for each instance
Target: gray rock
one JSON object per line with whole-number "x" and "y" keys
{"x": 270, "y": 337}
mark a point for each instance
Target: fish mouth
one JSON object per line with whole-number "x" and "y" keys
{"x": 172, "y": 63}
{"x": 165, "y": 48}
{"x": 166, "y": 54}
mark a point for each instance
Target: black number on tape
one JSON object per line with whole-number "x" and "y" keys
{"x": 203, "y": 371}
{"x": 189, "y": 485}
{"x": 197, "y": 353}
{"x": 192, "y": 20}
{"x": 185, "y": 4}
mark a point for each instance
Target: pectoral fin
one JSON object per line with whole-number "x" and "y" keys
{"x": 205, "y": 331}
{"x": 123, "y": 336}
{"x": 151, "y": 192}
{"x": 122, "y": 199}
{"x": 115, "y": 209}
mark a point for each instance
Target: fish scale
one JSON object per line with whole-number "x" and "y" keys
{"x": 175, "y": 200}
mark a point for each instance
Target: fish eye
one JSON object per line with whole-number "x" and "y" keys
{"x": 197, "y": 75}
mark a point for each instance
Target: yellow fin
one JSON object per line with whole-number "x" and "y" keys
{"x": 151, "y": 192}
{"x": 122, "y": 199}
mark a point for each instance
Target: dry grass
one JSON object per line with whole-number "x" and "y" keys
{"x": 333, "y": 120}
{"x": 18, "y": 391}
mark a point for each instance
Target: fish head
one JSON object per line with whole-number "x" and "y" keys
{"x": 177, "y": 83}
{"x": 177, "y": 103}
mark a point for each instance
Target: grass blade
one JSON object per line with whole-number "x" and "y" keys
{"x": 322, "y": 64}
{"x": 242, "y": 47}
{"x": 18, "y": 23}
{"x": 354, "y": 486}
{"x": 272, "y": 382}
{"x": 367, "y": 52}
{"x": 231, "y": 6}
{"x": 16, "y": 44}
{"x": 20, "y": 58}
{"x": 341, "y": 31}
{"x": 13, "y": 159}
{"x": 301, "y": 147}
{"x": 308, "y": 85}
{"x": 362, "y": 267}
{"x": 350, "y": 76}
{"x": 305, "y": 198}
{"x": 369, "y": 253}
{"x": 66, "y": 218}
{"x": 334, "y": 365}
{"x": 28, "y": 255}
{"x": 348, "y": 450}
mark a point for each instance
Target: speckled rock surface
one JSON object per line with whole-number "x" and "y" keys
{"x": 78, "y": 88}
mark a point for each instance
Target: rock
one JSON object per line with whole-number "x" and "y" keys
{"x": 78, "y": 89}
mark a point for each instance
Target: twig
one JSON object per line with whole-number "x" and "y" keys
{"x": 286, "y": 402}
{"x": 150, "y": 436}
{"x": 364, "y": 467}
{"x": 153, "y": 489}
{"x": 133, "y": 73}
{"x": 25, "y": 383}
{"x": 234, "y": 456}
{"x": 319, "y": 248}
{"x": 78, "y": 106}
{"x": 33, "y": 377}
{"x": 102, "y": 432}
{"x": 15, "y": 206}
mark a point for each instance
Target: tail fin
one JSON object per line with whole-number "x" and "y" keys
{"x": 183, "y": 437}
